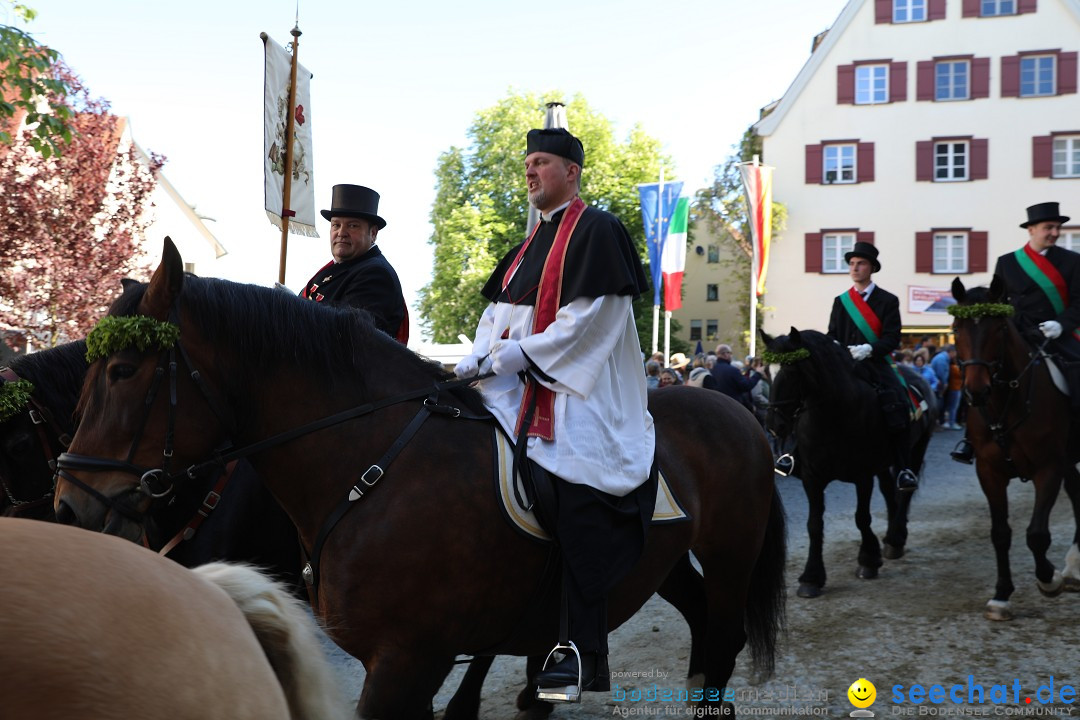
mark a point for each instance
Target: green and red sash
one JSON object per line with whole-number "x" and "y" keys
{"x": 548, "y": 295}
{"x": 869, "y": 325}
{"x": 1047, "y": 277}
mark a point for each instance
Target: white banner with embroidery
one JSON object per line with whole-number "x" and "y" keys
{"x": 301, "y": 203}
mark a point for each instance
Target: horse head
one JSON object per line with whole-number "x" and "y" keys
{"x": 983, "y": 331}
{"x": 786, "y": 394}
{"x": 128, "y": 403}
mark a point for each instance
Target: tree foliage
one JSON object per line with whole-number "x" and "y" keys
{"x": 722, "y": 206}
{"x": 71, "y": 225}
{"x": 481, "y": 206}
{"x": 32, "y": 82}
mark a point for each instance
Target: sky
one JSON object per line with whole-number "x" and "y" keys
{"x": 396, "y": 84}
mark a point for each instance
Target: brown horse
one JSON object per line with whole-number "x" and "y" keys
{"x": 1020, "y": 426}
{"x": 97, "y": 627}
{"x": 413, "y": 563}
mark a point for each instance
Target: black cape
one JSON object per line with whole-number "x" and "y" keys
{"x": 601, "y": 260}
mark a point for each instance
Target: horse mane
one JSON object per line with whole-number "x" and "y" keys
{"x": 57, "y": 374}
{"x": 269, "y": 328}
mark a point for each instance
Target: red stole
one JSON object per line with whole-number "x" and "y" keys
{"x": 548, "y": 295}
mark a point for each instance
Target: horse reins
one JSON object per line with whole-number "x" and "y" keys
{"x": 41, "y": 417}
{"x": 151, "y": 479}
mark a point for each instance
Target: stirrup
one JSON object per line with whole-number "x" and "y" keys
{"x": 784, "y": 465}
{"x": 567, "y": 693}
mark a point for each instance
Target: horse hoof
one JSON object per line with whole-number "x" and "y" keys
{"x": 997, "y": 610}
{"x": 866, "y": 573}
{"x": 892, "y": 552}
{"x": 1052, "y": 588}
{"x": 807, "y": 590}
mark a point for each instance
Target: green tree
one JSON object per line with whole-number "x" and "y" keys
{"x": 481, "y": 205}
{"x": 722, "y": 206}
{"x": 31, "y": 83}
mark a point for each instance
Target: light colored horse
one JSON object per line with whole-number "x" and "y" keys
{"x": 94, "y": 626}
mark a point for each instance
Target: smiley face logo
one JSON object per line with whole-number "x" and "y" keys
{"x": 862, "y": 693}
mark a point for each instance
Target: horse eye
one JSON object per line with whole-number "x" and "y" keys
{"x": 121, "y": 371}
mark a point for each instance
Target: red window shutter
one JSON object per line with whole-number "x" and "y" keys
{"x": 971, "y": 8}
{"x": 1010, "y": 76}
{"x": 979, "y": 159}
{"x": 864, "y": 154}
{"x": 1027, "y": 6}
{"x": 883, "y": 11}
{"x": 936, "y": 10}
{"x": 845, "y": 85}
{"x": 897, "y": 82}
{"x": 866, "y": 236}
{"x": 813, "y": 253}
{"x": 977, "y": 246}
{"x": 924, "y": 161}
{"x": 813, "y": 164}
{"x": 924, "y": 80}
{"x": 980, "y": 78}
{"x": 1042, "y": 156}
{"x": 1066, "y": 73}
{"x": 924, "y": 252}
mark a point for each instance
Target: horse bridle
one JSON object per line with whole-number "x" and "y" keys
{"x": 151, "y": 479}
{"x": 41, "y": 417}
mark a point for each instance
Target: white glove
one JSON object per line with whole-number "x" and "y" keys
{"x": 507, "y": 358}
{"x": 1051, "y": 329}
{"x": 860, "y": 352}
{"x": 470, "y": 365}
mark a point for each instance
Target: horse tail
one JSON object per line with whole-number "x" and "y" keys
{"x": 289, "y": 637}
{"x": 766, "y": 598}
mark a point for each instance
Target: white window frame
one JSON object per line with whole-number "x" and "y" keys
{"x": 833, "y": 159}
{"x": 1066, "y": 156}
{"x": 712, "y": 292}
{"x": 713, "y": 255}
{"x": 951, "y": 252}
{"x": 956, "y": 155}
{"x": 1038, "y": 70}
{"x": 1070, "y": 239}
{"x": 908, "y": 11}
{"x": 833, "y": 248}
{"x": 871, "y": 84}
{"x": 997, "y": 7}
{"x": 950, "y": 68}
{"x": 712, "y": 329}
{"x": 695, "y": 330}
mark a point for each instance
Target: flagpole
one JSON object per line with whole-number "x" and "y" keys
{"x": 286, "y": 192}
{"x": 659, "y": 247}
{"x": 753, "y": 275}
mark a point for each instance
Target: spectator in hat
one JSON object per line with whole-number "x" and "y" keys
{"x": 359, "y": 275}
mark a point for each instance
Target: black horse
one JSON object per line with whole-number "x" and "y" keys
{"x": 840, "y": 435}
{"x": 239, "y": 521}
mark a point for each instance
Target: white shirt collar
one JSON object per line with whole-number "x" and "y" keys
{"x": 869, "y": 289}
{"x": 547, "y": 216}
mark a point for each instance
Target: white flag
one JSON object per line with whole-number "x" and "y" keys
{"x": 276, "y": 113}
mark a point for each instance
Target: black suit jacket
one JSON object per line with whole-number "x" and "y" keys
{"x": 367, "y": 282}
{"x": 886, "y": 306}
{"x": 1032, "y": 305}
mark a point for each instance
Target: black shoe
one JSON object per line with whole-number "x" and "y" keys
{"x": 784, "y": 464}
{"x": 594, "y": 673}
{"x": 964, "y": 452}
{"x": 906, "y": 481}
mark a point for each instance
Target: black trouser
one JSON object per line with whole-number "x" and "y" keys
{"x": 601, "y": 537}
{"x": 893, "y": 402}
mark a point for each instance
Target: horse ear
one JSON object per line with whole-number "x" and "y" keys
{"x": 794, "y": 335}
{"x": 165, "y": 284}
{"x": 997, "y": 288}
{"x": 958, "y": 290}
{"x": 765, "y": 337}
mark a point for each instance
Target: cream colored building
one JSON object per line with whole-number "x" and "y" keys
{"x": 711, "y": 296}
{"x": 925, "y": 127}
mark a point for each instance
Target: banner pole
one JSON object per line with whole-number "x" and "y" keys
{"x": 286, "y": 192}
{"x": 659, "y": 251}
{"x": 754, "y": 269}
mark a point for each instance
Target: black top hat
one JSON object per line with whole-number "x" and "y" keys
{"x": 557, "y": 141}
{"x": 864, "y": 250}
{"x": 1043, "y": 212}
{"x": 355, "y": 201}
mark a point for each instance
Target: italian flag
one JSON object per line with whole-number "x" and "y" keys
{"x": 673, "y": 257}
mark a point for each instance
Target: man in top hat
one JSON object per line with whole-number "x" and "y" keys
{"x": 866, "y": 318}
{"x": 1042, "y": 283}
{"x": 359, "y": 275}
{"x": 560, "y": 337}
